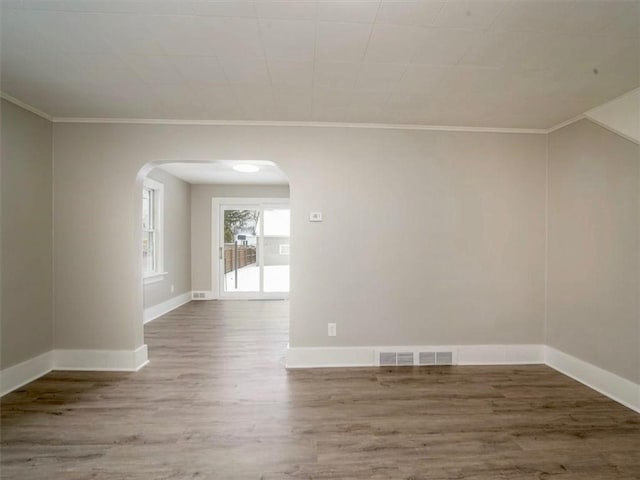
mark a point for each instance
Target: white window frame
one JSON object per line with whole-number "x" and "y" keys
{"x": 158, "y": 210}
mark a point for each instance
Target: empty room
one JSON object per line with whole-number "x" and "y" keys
{"x": 312, "y": 239}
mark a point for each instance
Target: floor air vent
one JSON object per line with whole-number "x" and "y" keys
{"x": 199, "y": 295}
{"x": 444, "y": 358}
{"x": 405, "y": 358}
{"x": 387, "y": 359}
{"x": 392, "y": 359}
{"x": 435, "y": 358}
{"x": 427, "y": 358}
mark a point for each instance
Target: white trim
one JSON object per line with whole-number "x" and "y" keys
{"x": 26, "y": 106}
{"x": 153, "y": 184}
{"x": 140, "y": 357}
{"x": 268, "y": 201}
{"x": 607, "y": 383}
{"x": 158, "y": 211}
{"x": 318, "y": 357}
{"x": 155, "y": 311}
{"x": 154, "y": 277}
{"x": 321, "y": 357}
{"x": 566, "y": 123}
{"x": 16, "y": 376}
{"x": 101, "y": 360}
{"x": 500, "y": 354}
{"x": 260, "y": 123}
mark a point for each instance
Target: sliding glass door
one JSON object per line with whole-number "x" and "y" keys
{"x": 275, "y": 248}
{"x": 254, "y": 250}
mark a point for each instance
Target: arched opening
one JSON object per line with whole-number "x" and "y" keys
{"x": 212, "y": 231}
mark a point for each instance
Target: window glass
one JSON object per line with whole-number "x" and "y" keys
{"x": 276, "y": 223}
{"x": 147, "y": 208}
{"x": 151, "y": 249}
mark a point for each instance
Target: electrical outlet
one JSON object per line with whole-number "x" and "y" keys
{"x": 172, "y": 288}
{"x": 331, "y": 330}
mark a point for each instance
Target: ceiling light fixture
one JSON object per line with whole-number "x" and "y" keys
{"x": 246, "y": 168}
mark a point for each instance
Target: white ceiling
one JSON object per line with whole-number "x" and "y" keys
{"x": 497, "y": 63}
{"x": 221, "y": 172}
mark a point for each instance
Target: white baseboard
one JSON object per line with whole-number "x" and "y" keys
{"x": 140, "y": 357}
{"x": 151, "y": 313}
{"x": 318, "y": 357}
{"x": 202, "y": 295}
{"x": 500, "y": 354}
{"x": 16, "y": 376}
{"x": 101, "y": 360}
{"x": 609, "y": 384}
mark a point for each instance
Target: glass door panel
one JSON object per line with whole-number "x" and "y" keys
{"x": 241, "y": 254}
{"x": 276, "y": 249}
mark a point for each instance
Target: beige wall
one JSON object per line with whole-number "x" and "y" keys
{"x": 177, "y": 240}
{"x": 428, "y": 237}
{"x": 201, "y": 218}
{"x": 594, "y": 249}
{"x": 27, "y": 325}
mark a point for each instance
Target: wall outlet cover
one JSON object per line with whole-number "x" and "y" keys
{"x": 331, "y": 329}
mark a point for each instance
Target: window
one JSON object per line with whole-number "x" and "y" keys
{"x": 152, "y": 234}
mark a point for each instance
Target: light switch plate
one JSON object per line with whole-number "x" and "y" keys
{"x": 315, "y": 217}
{"x": 331, "y": 329}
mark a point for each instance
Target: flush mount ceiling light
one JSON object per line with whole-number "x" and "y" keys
{"x": 246, "y": 168}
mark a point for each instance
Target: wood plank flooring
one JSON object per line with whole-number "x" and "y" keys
{"x": 217, "y": 403}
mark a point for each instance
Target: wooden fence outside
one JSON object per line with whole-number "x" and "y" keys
{"x": 246, "y": 256}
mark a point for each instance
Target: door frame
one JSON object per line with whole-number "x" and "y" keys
{"x": 217, "y": 242}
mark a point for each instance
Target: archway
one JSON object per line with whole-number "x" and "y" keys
{"x": 182, "y": 250}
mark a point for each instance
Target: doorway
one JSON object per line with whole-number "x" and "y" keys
{"x": 253, "y": 248}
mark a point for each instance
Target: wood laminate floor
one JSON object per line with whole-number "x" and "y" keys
{"x": 216, "y": 402}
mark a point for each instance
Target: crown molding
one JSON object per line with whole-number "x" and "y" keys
{"x": 252, "y": 123}
{"x": 566, "y": 123}
{"x": 26, "y": 106}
